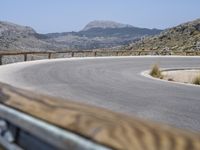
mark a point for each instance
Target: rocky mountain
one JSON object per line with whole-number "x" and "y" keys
{"x": 16, "y": 37}
{"x": 96, "y": 34}
{"x": 183, "y": 37}
{"x": 104, "y": 25}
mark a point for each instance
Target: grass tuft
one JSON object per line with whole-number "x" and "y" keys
{"x": 155, "y": 72}
{"x": 196, "y": 80}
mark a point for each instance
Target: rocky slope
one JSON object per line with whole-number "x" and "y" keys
{"x": 97, "y": 34}
{"x": 184, "y": 37}
{"x": 16, "y": 37}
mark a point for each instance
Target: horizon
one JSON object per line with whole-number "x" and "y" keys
{"x": 49, "y": 17}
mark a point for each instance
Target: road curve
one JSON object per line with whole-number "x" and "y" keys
{"x": 114, "y": 83}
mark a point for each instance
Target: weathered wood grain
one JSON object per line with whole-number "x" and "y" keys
{"x": 102, "y": 126}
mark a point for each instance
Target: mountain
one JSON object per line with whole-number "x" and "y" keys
{"x": 16, "y": 37}
{"x": 183, "y": 37}
{"x": 96, "y": 34}
{"x": 100, "y": 34}
{"x": 104, "y": 25}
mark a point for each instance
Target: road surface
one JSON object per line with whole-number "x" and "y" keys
{"x": 116, "y": 84}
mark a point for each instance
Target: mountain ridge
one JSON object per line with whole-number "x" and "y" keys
{"x": 104, "y": 34}
{"x": 104, "y": 24}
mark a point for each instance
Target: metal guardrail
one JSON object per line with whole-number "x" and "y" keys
{"x": 31, "y": 121}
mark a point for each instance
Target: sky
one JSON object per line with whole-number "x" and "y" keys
{"x": 47, "y": 16}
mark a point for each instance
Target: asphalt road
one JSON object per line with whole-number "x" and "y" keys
{"x": 116, "y": 84}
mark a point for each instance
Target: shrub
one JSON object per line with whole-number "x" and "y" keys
{"x": 196, "y": 80}
{"x": 155, "y": 72}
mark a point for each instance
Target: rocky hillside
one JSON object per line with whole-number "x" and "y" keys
{"x": 16, "y": 37}
{"x": 180, "y": 38}
{"x": 96, "y": 34}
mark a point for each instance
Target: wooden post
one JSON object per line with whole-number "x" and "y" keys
{"x": 1, "y": 63}
{"x": 72, "y": 54}
{"x": 117, "y": 53}
{"x": 49, "y": 55}
{"x": 25, "y": 57}
{"x": 95, "y": 53}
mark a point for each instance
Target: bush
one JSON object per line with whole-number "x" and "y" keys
{"x": 196, "y": 80}
{"x": 155, "y": 72}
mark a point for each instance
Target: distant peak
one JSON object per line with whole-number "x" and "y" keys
{"x": 104, "y": 24}
{"x": 5, "y": 25}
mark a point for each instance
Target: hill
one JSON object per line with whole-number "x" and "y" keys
{"x": 184, "y": 37}
{"x": 16, "y": 37}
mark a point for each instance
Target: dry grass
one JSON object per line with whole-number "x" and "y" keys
{"x": 155, "y": 72}
{"x": 196, "y": 80}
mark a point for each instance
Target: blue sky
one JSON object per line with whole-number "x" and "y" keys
{"x": 72, "y": 15}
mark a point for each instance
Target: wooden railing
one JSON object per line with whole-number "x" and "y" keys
{"x": 103, "y": 127}
{"x": 37, "y": 118}
{"x": 90, "y": 53}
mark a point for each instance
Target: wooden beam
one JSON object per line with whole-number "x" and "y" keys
{"x": 99, "y": 125}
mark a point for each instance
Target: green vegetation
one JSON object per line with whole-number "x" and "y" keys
{"x": 155, "y": 72}
{"x": 196, "y": 80}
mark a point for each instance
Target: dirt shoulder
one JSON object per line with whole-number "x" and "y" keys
{"x": 184, "y": 76}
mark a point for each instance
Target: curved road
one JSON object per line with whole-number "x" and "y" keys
{"x": 114, "y": 83}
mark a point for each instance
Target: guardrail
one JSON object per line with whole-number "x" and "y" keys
{"x": 27, "y": 56}
{"x": 31, "y": 121}
{"x": 80, "y": 126}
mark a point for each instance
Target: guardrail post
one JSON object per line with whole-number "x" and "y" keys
{"x": 25, "y": 57}
{"x": 1, "y": 63}
{"x": 95, "y": 54}
{"x": 72, "y": 54}
{"x": 49, "y": 55}
{"x": 186, "y": 53}
{"x": 117, "y": 53}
